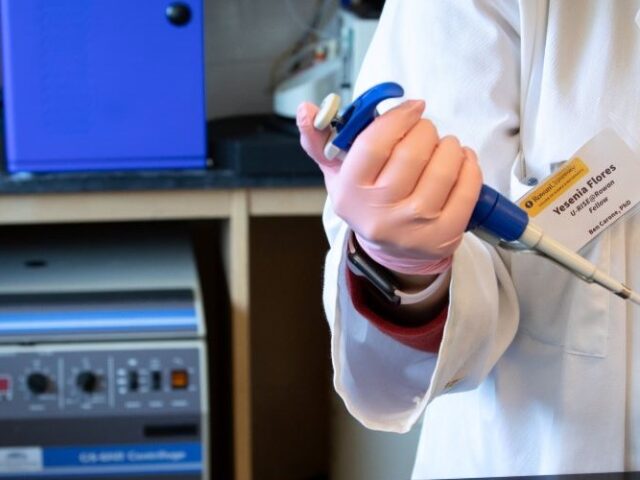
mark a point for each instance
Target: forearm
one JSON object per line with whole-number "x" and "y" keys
{"x": 434, "y": 288}
{"x": 416, "y": 314}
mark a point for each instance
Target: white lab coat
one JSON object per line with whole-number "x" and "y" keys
{"x": 537, "y": 373}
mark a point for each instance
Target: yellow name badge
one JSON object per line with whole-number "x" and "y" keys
{"x": 554, "y": 186}
{"x": 589, "y": 193}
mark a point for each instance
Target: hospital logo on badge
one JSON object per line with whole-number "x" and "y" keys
{"x": 554, "y": 186}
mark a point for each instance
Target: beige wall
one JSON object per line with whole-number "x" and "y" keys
{"x": 242, "y": 40}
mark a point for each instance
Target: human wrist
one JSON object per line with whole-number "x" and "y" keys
{"x": 414, "y": 315}
{"x": 399, "y": 289}
{"x": 421, "y": 329}
{"x": 413, "y": 283}
{"x": 409, "y": 270}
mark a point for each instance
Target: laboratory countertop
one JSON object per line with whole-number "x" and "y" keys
{"x": 147, "y": 180}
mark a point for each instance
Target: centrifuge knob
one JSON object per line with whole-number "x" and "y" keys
{"x": 87, "y": 382}
{"x": 38, "y": 383}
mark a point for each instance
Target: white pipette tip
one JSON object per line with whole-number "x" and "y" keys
{"x": 534, "y": 238}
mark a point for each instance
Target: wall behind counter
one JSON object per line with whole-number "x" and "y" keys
{"x": 242, "y": 40}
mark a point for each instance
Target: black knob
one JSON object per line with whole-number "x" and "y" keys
{"x": 87, "y": 382}
{"x": 178, "y": 13}
{"x": 38, "y": 383}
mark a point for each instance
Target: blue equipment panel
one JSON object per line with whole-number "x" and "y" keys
{"x": 103, "y": 84}
{"x": 88, "y": 411}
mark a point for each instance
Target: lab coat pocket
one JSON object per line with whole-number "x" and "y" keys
{"x": 556, "y": 308}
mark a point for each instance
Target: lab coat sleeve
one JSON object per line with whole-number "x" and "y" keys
{"x": 462, "y": 57}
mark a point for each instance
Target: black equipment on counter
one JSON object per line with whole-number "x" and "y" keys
{"x": 259, "y": 145}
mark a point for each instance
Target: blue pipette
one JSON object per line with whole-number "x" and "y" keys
{"x": 494, "y": 217}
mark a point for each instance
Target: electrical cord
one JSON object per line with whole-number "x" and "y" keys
{"x": 321, "y": 9}
{"x": 314, "y": 36}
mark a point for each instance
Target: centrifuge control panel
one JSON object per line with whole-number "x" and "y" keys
{"x": 100, "y": 382}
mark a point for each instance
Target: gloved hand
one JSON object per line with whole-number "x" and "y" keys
{"x": 407, "y": 194}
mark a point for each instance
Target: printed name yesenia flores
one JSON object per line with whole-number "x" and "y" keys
{"x": 576, "y": 202}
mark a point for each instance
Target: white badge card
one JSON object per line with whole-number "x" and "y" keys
{"x": 592, "y": 191}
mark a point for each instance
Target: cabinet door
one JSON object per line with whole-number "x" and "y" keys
{"x": 102, "y": 84}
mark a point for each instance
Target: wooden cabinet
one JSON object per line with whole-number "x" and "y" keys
{"x": 272, "y": 245}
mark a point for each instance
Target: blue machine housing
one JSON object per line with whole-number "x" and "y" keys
{"x": 103, "y": 85}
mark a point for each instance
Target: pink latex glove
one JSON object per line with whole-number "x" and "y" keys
{"x": 407, "y": 194}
